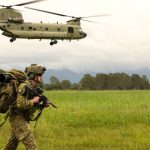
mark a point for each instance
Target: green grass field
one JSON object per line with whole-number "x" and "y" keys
{"x": 92, "y": 120}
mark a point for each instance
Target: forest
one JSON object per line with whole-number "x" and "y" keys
{"x": 101, "y": 81}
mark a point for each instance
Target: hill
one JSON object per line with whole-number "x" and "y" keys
{"x": 74, "y": 77}
{"x": 64, "y": 74}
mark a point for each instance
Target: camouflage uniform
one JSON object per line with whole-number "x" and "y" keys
{"x": 22, "y": 111}
{"x": 19, "y": 116}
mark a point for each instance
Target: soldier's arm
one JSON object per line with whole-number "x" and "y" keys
{"x": 22, "y": 101}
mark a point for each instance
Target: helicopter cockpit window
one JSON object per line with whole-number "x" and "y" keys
{"x": 70, "y": 30}
{"x": 80, "y": 30}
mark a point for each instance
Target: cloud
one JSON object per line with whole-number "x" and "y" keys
{"x": 117, "y": 43}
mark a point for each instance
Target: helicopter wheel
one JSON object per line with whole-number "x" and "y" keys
{"x": 13, "y": 39}
{"x": 53, "y": 42}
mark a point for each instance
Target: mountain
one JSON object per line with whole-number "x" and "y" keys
{"x": 142, "y": 71}
{"x": 66, "y": 74}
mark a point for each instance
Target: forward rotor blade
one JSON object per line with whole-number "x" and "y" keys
{"x": 74, "y": 17}
{"x": 30, "y": 2}
{"x": 89, "y": 21}
{"x": 58, "y": 14}
{"x": 100, "y": 15}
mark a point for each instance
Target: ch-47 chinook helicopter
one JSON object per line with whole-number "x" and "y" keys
{"x": 13, "y": 26}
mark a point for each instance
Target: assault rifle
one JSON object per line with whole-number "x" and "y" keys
{"x": 30, "y": 94}
{"x": 38, "y": 92}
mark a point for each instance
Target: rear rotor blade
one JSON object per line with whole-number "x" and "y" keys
{"x": 58, "y": 14}
{"x": 21, "y": 4}
{"x": 25, "y": 3}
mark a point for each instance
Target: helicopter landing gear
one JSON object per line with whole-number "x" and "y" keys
{"x": 53, "y": 42}
{"x": 12, "y": 39}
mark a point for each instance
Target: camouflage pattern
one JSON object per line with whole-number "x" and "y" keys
{"x": 17, "y": 75}
{"x": 35, "y": 69}
{"x": 19, "y": 116}
{"x": 7, "y": 95}
{"x": 21, "y": 131}
{"x": 8, "y": 91}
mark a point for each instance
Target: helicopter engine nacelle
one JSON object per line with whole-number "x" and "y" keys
{"x": 15, "y": 20}
{"x": 74, "y": 22}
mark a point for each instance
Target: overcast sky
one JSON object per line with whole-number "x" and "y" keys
{"x": 119, "y": 42}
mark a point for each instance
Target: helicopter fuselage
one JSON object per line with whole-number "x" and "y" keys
{"x": 42, "y": 31}
{"x": 12, "y": 24}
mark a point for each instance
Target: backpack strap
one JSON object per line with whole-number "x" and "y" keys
{"x": 37, "y": 117}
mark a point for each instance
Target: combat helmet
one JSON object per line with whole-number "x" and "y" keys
{"x": 34, "y": 70}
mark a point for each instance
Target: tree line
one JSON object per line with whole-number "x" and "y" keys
{"x": 101, "y": 81}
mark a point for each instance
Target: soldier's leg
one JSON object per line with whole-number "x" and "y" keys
{"x": 12, "y": 143}
{"x": 29, "y": 141}
{"x": 23, "y": 132}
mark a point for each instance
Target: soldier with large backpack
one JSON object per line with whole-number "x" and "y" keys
{"x": 21, "y": 112}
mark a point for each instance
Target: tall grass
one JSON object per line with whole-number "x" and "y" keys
{"x": 93, "y": 120}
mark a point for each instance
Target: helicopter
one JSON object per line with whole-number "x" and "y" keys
{"x": 12, "y": 24}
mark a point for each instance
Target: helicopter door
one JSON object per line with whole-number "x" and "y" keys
{"x": 70, "y": 32}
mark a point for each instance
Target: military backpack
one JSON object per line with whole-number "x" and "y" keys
{"x": 9, "y": 82}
